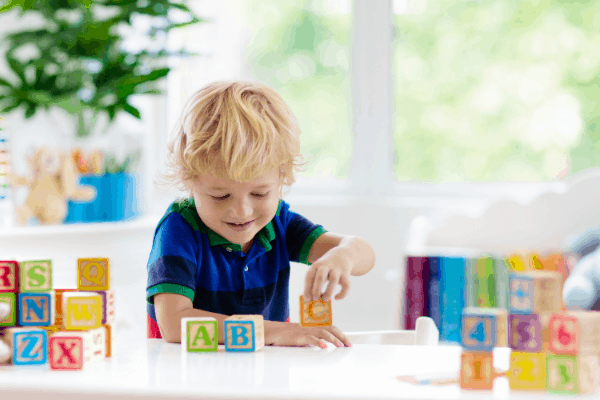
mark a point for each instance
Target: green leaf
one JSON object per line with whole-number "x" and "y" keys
{"x": 31, "y": 108}
{"x": 5, "y": 83}
{"x": 131, "y": 110}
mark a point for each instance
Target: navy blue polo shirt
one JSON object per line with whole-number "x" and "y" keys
{"x": 190, "y": 259}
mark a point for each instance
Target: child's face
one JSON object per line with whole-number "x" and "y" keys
{"x": 236, "y": 210}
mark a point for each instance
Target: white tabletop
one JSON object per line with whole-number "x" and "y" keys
{"x": 154, "y": 369}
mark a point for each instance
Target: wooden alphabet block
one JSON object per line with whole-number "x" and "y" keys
{"x": 83, "y": 310}
{"x": 11, "y": 300}
{"x": 589, "y": 330}
{"x": 244, "y": 333}
{"x": 315, "y": 313}
{"x": 58, "y": 308}
{"x": 9, "y": 276}
{"x": 564, "y": 334}
{"x": 525, "y": 333}
{"x": 199, "y": 334}
{"x": 108, "y": 306}
{"x": 483, "y": 329}
{"x": 527, "y": 371}
{"x": 521, "y": 294}
{"x": 93, "y": 274}
{"x": 477, "y": 370}
{"x": 572, "y": 374}
{"x": 29, "y": 345}
{"x": 66, "y": 351}
{"x": 97, "y": 338}
{"x": 536, "y": 292}
{"x": 109, "y": 339}
{"x": 36, "y": 309}
{"x": 35, "y": 276}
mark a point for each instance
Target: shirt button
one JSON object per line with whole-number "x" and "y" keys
{"x": 246, "y": 268}
{"x": 229, "y": 249}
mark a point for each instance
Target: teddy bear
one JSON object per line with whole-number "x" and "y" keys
{"x": 581, "y": 288}
{"x": 5, "y": 352}
{"x": 53, "y": 183}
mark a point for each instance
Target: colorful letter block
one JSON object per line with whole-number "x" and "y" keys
{"x": 525, "y": 333}
{"x": 58, "y": 308}
{"x": 9, "y": 276}
{"x": 108, "y": 306}
{"x": 589, "y": 332}
{"x": 29, "y": 346}
{"x": 564, "y": 334}
{"x": 109, "y": 339}
{"x": 315, "y": 313}
{"x": 562, "y": 374}
{"x": 199, "y": 334}
{"x": 36, "y": 309}
{"x": 35, "y": 276}
{"x": 11, "y": 300}
{"x": 83, "y": 310}
{"x": 66, "y": 351}
{"x": 521, "y": 294}
{"x": 244, "y": 333}
{"x": 93, "y": 274}
{"x": 527, "y": 371}
{"x": 483, "y": 329}
{"x": 477, "y": 370}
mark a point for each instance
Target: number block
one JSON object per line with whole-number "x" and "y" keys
{"x": 93, "y": 274}
{"x": 527, "y": 371}
{"x": 29, "y": 345}
{"x": 11, "y": 300}
{"x": 536, "y": 292}
{"x": 562, "y": 374}
{"x": 477, "y": 371}
{"x": 525, "y": 333}
{"x": 315, "y": 313}
{"x": 521, "y": 295}
{"x": 199, "y": 334}
{"x": 9, "y": 276}
{"x": 35, "y": 276}
{"x": 589, "y": 332}
{"x": 36, "y": 309}
{"x": 244, "y": 333}
{"x": 564, "y": 334}
{"x": 483, "y": 329}
{"x": 58, "y": 308}
{"x": 83, "y": 310}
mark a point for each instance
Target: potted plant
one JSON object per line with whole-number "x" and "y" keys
{"x": 83, "y": 59}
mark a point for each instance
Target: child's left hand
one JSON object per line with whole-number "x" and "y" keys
{"x": 333, "y": 267}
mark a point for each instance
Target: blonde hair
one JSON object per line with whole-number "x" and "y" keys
{"x": 234, "y": 130}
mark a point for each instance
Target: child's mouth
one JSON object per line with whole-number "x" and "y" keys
{"x": 239, "y": 227}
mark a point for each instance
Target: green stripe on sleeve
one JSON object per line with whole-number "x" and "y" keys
{"x": 308, "y": 242}
{"x": 169, "y": 288}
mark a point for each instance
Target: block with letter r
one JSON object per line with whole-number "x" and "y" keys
{"x": 36, "y": 309}
{"x": 29, "y": 346}
{"x": 244, "y": 333}
{"x": 199, "y": 334}
{"x": 9, "y": 276}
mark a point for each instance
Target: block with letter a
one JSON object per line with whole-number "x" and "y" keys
{"x": 199, "y": 334}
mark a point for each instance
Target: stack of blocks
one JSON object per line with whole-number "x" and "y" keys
{"x": 549, "y": 350}
{"x": 244, "y": 333}
{"x": 65, "y": 328}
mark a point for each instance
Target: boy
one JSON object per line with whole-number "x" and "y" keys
{"x": 227, "y": 249}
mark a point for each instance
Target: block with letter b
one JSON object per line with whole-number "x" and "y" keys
{"x": 244, "y": 332}
{"x": 36, "y": 309}
{"x": 9, "y": 276}
{"x": 199, "y": 334}
{"x": 35, "y": 276}
{"x": 315, "y": 313}
{"x": 82, "y": 310}
{"x": 93, "y": 274}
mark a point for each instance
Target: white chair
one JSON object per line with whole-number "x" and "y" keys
{"x": 425, "y": 334}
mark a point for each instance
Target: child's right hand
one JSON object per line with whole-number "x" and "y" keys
{"x": 292, "y": 334}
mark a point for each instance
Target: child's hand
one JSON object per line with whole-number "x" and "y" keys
{"x": 291, "y": 334}
{"x": 333, "y": 267}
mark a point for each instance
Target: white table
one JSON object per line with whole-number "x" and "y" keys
{"x": 154, "y": 369}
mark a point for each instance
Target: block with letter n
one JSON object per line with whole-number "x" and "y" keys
{"x": 36, "y": 309}
{"x": 244, "y": 332}
{"x": 199, "y": 334}
{"x": 315, "y": 313}
{"x": 82, "y": 310}
{"x": 35, "y": 276}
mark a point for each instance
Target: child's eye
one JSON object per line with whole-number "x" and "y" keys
{"x": 220, "y": 198}
{"x": 260, "y": 194}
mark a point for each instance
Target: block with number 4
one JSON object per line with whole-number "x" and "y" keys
{"x": 244, "y": 333}
{"x": 199, "y": 334}
{"x": 483, "y": 329}
{"x": 315, "y": 313}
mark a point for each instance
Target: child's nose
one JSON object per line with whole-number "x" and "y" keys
{"x": 242, "y": 208}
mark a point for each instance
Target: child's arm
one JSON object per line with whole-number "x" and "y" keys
{"x": 171, "y": 308}
{"x": 334, "y": 258}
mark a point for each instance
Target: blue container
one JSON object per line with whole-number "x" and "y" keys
{"x": 116, "y": 199}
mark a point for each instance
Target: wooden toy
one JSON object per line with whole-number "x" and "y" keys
{"x": 108, "y": 306}
{"x": 97, "y": 338}
{"x": 527, "y": 371}
{"x": 244, "y": 333}
{"x": 483, "y": 329}
{"x": 572, "y": 374}
{"x": 315, "y": 313}
{"x": 35, "y": 276}
{"x": 71, "y": 350}
{"x": 564, "y": 334}
{"x": 477, "y": 370}
{"x": 517, "y": 263}
{"x": 109, "y": 339}
{"x": 54, "y": 183}
{"x": 9, "y": 276}
{"x": 29, "y": 345}
{"x": 535, "y": 292}
{"x": 589, "y": 332}
{"x": 11, "y": 300}
{"x": 58, "y": 308}
{"x": 525, "y": 333}
{"x": 36, "y": 309}
{"x": 5, "y": 351}
{"x": 82, "y": 310}
{"x": 93, "y": 274}
{"x": 199, "y": 334}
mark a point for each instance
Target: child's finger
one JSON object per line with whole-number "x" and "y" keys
{"x": 340, "y": 335}
{"x": 345, "y": 284}
{"x": 320, "y": 278}
{"x": 328, "y": 336}
{"x": 308, "y": 284}
{"x": 334, "y": 278}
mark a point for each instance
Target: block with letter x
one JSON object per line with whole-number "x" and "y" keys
{"x": 244, "y": 333}
{"x": 66, "y": 351}
{"x": 9, "y": 276}
{"x": 199, "y": 334}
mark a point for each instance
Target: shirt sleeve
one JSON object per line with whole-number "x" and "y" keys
{"x": 300, "y": 234}
{"x": 172, "y": 263}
